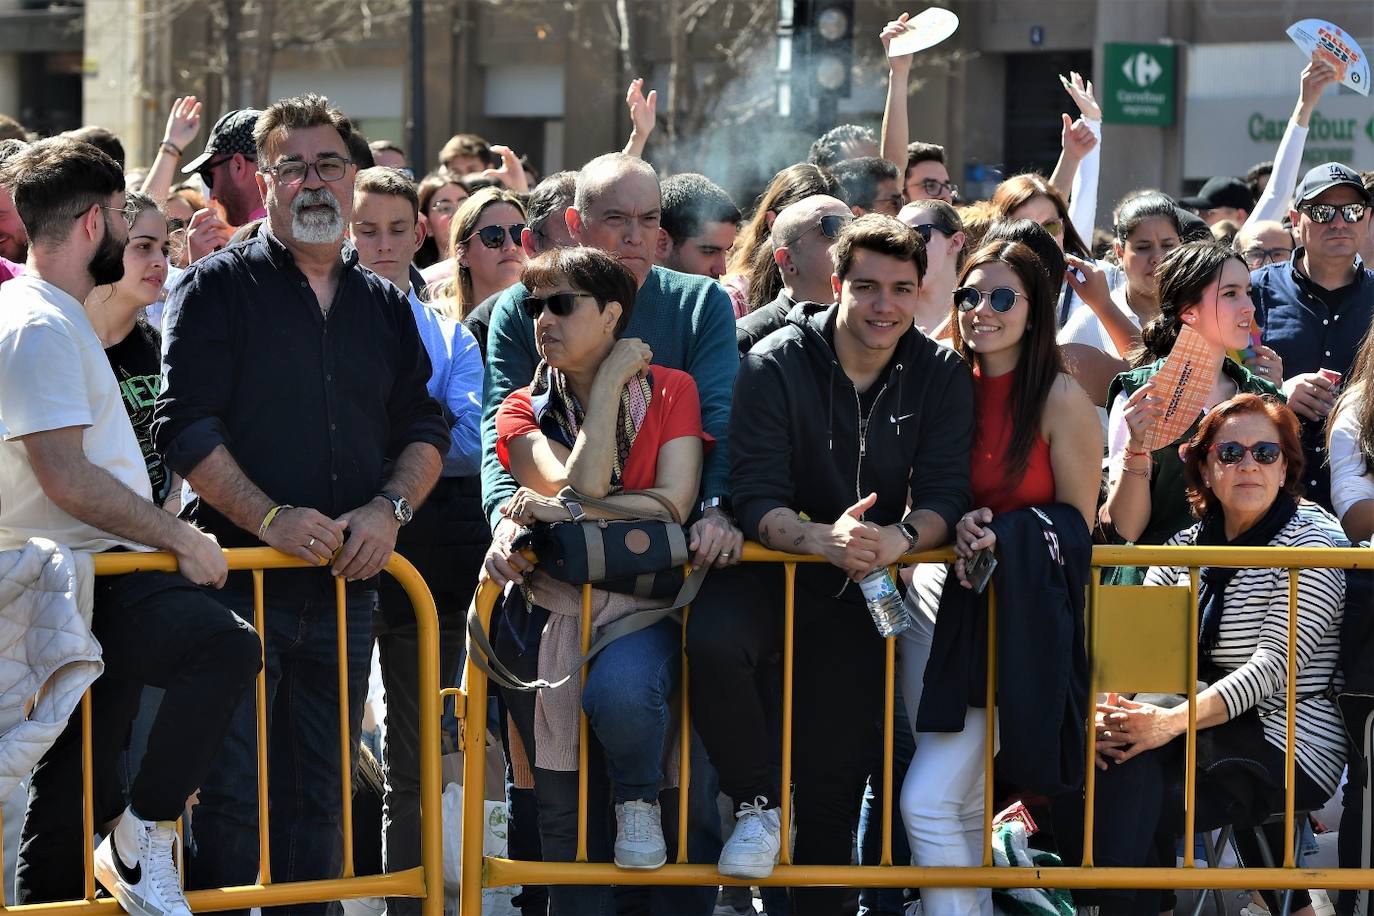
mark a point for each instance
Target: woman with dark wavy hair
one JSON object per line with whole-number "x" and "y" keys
{"x": 1205, "y": 286}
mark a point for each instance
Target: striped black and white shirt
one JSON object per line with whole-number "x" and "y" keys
{"x": 1252, "y": 647}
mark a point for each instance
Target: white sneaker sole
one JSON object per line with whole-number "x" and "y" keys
{"x": 747, "y": 872}
{"x": 628, "y": 867}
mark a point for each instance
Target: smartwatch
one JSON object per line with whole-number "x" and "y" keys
{"x": 713, "y": 502}
{"x": 575, "y": 513}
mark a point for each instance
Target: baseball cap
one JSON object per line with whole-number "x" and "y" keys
{"x": 232, "y": 133}
{"x": 1325, "y": 177}
{"x": 1221, "y": 191}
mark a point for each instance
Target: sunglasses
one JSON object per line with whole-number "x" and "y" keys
{"x": 1053, "y": 226}
{"x": 559, "y": 304}
{"x": 1234, "y": 452}
{"x": 495, "y": 236}
{"x": 934, "y": 187}
{"x": 926, "y": 229}
{"x": 831, "y": 225}
{"x": 966, "y": 298}
{"x": 1325, "y": 213}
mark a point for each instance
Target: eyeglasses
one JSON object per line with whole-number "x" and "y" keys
{"x": 831, "y": 225}
{"x": 207, "y": 171}
{"x": 936, "y": 188}
{"x": 966, "y": 298}
{"x": 445, "y": 208}
{"x": 895, "y": 201}
{"x": 1234, "y": 452}
{"x": 1325, "y": 213}
{"x": 560, "y": 304}
{"x": 293, "y": 171}
{"x": 494, "y": 236}
{"x": 1258, "y": 257}
{"x": 129, "y": 213}
{"x": 1053, "y": 226}
{"x": 926, "y": 229}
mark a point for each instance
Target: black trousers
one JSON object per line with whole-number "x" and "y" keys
{"x": 1138, "y": 813}
{"x": 735, "y": 627}
{"x": 158, "y": 629}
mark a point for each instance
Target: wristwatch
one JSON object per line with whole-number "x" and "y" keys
{"x": 400, "y": 507}
{"x": 713, "y": 502}
{"x": 575, "y": 513}
{"x": 912, "y": 536}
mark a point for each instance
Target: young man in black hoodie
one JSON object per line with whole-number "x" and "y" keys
{"x": 853, "y": 433}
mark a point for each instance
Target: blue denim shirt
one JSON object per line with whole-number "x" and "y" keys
{"x": 456, "y": 383}
{"x": 1312, "y": 328}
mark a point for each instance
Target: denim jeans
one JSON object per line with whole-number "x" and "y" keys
{"x": 154, "y": 628}
{"x": 886, "y": 901}
{"x": 302, "y": 745}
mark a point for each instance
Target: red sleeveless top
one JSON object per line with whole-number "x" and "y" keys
{"x": 992, "y": 439}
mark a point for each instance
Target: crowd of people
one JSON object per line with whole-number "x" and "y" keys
{"x": 297, "y": 340}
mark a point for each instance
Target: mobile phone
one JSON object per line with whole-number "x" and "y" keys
{"x": 978, "y": 569}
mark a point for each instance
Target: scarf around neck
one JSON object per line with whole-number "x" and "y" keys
{"x": 567, "y": 412}
{"x": 1213, "y": 580}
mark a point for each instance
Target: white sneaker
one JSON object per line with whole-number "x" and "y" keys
{"x": 752, "y": 850}
{"x": 639, "y": 835}
{"x": 135, "y": 863}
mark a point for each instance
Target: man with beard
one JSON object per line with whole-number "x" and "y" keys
{"x": 295, "y": 405}
{"x": 71, "y": 471}
{"x": 14, "y": 240}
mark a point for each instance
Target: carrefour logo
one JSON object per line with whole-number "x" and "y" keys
{"x": 1142, "y": 69}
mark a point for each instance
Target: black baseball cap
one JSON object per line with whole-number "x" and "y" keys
{"x": 232, "y": 133}
{"x": 1221, "y": 191}
{"x": 1327, "y": 176}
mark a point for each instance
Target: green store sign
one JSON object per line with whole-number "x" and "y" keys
{"x": 1141, "y": 83}
{"x": 1328, "y": 139}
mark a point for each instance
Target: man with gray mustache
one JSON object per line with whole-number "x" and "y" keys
{"x": 295, "y": 405}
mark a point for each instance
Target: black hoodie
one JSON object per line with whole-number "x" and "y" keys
{"x": 796, "y": 417}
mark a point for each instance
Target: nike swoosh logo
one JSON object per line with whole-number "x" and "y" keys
{"x": 130, "y": 876}
{"x": 905, "y": 416}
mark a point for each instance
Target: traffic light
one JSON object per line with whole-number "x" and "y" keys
{"x": 832, "y": 45}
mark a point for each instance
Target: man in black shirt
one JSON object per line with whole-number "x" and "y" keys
{"x": 295, "y": 405}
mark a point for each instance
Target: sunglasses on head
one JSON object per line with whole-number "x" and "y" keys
{"x": 560, "y": 304}
{"x": 926, "y": 229}
{"x": 1325, "y": 213}
{"x": 966, "y": 298}
{"x": 1234, "y": 452}
{"x": 494, "y": 236}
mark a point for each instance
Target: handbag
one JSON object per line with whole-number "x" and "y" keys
{"x": 637, "y": 555}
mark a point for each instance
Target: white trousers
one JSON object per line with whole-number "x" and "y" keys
{"x": 942, "y": 795}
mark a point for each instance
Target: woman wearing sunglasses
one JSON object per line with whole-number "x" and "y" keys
{"x": 487, "y": 254}
{"x": 1242, "y": 470}
{"x": 1036, "y": 441}
{"x": 1205, "y": 286}
{"x": 598, "y": 418}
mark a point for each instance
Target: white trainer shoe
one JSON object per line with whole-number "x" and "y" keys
{"x": 753, "y": 847}
{"x": 135, "y": 863}
{"x": 639, "y": 835}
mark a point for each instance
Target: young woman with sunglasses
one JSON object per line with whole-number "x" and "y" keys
{"x": 487, "y": 254}
{"x": 1036, "y": 441}
{"x": 600, "y": 418}
{"x": 943, "y": 232}
{"x": 1242, "y": 471}
{"x": 1204, "y": 286}
{"x": 751, "y": 278}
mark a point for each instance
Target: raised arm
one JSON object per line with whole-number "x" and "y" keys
{"x": 1082, "y": 192}
{"x": 643, "y": 111}
{"x": 896, "y": 134}
{"x": 1273, "y": 203}
{"x": 182, "y": 126}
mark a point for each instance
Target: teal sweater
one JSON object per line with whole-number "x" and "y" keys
{"x": 686, "y": 320}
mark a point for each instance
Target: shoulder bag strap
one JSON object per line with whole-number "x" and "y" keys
{"x": 669, "y": 513}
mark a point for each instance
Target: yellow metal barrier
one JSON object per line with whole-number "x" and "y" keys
{"x": 480, "y": 871}
{"x": 424, "y": 881}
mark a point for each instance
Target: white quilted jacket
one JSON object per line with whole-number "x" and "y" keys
{"x": 46, "y": 648}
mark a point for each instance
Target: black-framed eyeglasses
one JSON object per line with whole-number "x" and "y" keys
{"x": 1258, "y": 257}
{"x": 1325, "y": 213}
{"x": 560, "y": 304}
{"x": 495, "y": 236}
{"x": 831, "y": 225}
{"x": 966, "y": 298}
{"x": 1234, "y": 452}
{"x": 937, "y": 188}
{"x": 294, "y": 171}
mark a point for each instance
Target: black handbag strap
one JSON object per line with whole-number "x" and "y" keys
{"x": 620, "y": 513}
{"x": 484, "y": 656}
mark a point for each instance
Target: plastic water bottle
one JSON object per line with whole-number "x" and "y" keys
{"x": 884, "y": 603}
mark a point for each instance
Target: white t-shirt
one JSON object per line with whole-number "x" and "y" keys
{"x": 54, "y": 374}
{"x": 1085, "y": 327}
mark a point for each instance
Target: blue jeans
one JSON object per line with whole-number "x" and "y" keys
{"x": 886, "y": 901}
{"x": 303, "y": 746}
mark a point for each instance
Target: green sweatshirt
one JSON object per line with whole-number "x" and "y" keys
{"x": 686, "y": 320}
